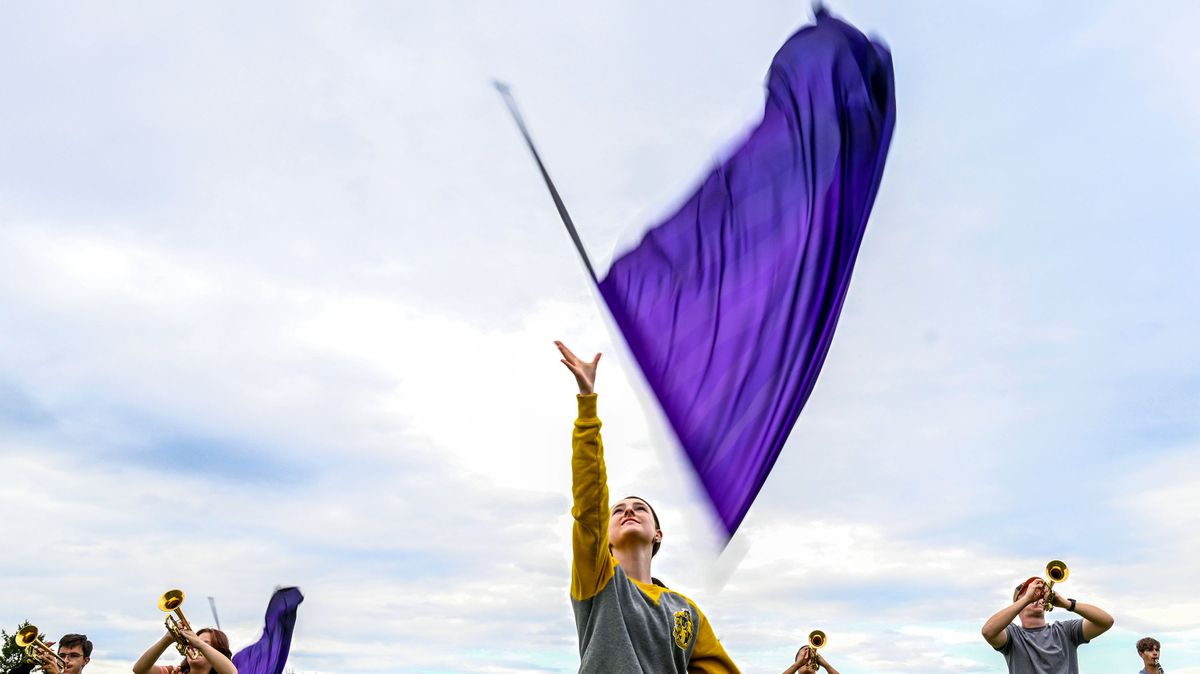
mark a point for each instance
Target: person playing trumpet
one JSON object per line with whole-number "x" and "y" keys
{"x": 806, "y": 664}
{"x": 1149, "y": 651}
{"x": 209, "y": 645}
{"x": 75, "y": 651}
{"x": 1038, "y": 647}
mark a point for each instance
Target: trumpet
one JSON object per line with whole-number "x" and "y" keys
{"x": 36, "y": 650}
{"x": 816, "y": 640}
{"x": 1056, "y": 572}
{"x": 169, "y": 603}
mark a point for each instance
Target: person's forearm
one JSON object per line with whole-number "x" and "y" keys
{"x": 152, "y": 654}
{"x": 1094, "y": 614}
{"x": 829, "y": 668}
{"x": 1096, "y": 620}
{"x": 997, "y": 623}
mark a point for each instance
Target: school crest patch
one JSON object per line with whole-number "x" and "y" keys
{"x": 683, "y": 628}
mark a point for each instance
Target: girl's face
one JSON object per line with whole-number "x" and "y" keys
{"x": 632, "y": 522}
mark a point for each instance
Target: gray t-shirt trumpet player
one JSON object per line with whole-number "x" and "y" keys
{"x": 1039, "y": 647}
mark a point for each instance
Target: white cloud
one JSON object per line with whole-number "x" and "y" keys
{"x": 278, "y": 292}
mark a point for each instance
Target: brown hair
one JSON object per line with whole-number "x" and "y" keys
{"x": 219, "y": 641}
{"x": 79, "y": 640}
{"x": 1148, "y": 644}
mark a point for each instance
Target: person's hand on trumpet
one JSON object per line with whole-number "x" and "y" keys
{"x": 197, "y": 647}
{"x": 1059, "y": 601}
{"x": 47, "y": 661}
{"x": 1035, "y": 591}
{"x": 808, "y": 664}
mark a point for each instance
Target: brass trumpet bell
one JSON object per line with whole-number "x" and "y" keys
{"x": 27, "y": 637}
{"x": 816, "y": 640}
{"x": 170, "y": 600}
{"x": 1056, "y": 572}
{"x": 35, "y": 649}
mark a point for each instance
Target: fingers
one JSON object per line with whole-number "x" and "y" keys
{"x": 570, "y": 357}
{"x": 562, "y": 348}
{"x": 802, "y": 654}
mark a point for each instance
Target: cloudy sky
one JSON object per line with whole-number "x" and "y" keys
{"x": 279, "y": 284}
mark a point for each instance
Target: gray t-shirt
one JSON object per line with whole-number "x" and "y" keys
{"x": 1043, "y": 650}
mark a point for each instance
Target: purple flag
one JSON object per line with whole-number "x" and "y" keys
{"x": 729, "y": 306}
{"x": 270, "y": 653}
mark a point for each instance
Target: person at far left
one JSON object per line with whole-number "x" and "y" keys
{"x": 74, "y": 649}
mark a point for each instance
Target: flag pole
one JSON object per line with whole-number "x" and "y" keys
{"x": 212, "y": 603}
{"x": 506, "y": 94}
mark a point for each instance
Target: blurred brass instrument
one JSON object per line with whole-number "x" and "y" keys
{"x": 1056, "y": 572}
{"x": 170, "y": 603}
{"x": 816, "y": 640}
{"x": 36, "y": 650}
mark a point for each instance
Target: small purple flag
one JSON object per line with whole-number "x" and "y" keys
{"x": 270, "y": 653}
{"x": 729, "y": 306}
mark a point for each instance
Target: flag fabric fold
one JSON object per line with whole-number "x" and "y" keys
{"x": 729, "y": 305}
{"x": 269, "y": 654}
